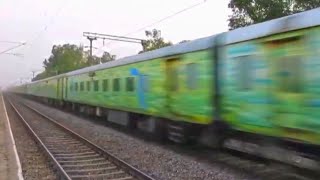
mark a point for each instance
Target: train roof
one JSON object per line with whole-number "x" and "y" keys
{"x": 47, "y": 79}
{"x": 301, "y": 20}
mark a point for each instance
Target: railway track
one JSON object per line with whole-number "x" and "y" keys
{"x": 73, "y": 156}
{"x": 258, "y": 168}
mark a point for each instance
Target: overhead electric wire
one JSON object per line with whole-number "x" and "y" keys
{"x": 37, "y": 35}
{"x": 165, "y": 18}
{"x": 11, "y": 48}
{"x": 160, "y": 20}
{"x": 11, "y": 42}
{"x": 14, "y": 54}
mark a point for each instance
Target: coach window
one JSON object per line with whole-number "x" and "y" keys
{"x": 96, "y": 85}
{"x": 88, "y": 85}
{"x": 192, "y": 75}
{"x": 81, "y": 86}
{"x": 116, "y": 84}
{"x": 130, "y": 83}
{"x": 76, "y": 86}
{"x": 244, "y": 72}
{"x": 105, "y": 85}
{"x": 290, "y": 74}
{"x": 71, "y": 86}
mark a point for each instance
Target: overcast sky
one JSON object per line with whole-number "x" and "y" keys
{"x": 43, "y": 23}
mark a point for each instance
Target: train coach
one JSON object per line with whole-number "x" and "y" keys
{"x": 258, "y": 84}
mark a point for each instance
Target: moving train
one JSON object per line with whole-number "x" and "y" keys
{"x": 251, "y": 88}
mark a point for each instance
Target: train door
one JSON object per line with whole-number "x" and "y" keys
{"x": 58, "y": 88}
{"x": 62, "y": 88}
{"x": 245, "y": 98}
{"x": 172, "y": 84}
{"x": 66, "y": 88}
{"x": 288, "y": 61}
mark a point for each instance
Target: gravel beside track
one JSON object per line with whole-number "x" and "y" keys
{"x": 33, "y": 162}
{"x": 157, "y": 161}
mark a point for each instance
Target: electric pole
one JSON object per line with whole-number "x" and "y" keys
{"x": 90, "y": 38}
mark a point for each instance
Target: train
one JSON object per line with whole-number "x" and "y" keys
{"x": 248, "y": 88}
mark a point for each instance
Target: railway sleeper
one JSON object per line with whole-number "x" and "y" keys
{"x": 88, "y": 165}
{"x": 76, "y": 161}
{"x": 93, "y": 169}
{"x": 77, "y": 157}
{"x": 101, "y": 170}
{"x": 75, "y": 154}
{"x": 113, "y": 175}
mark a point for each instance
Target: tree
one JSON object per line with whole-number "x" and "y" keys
{"x": 94, "y": 60}
{"x": 247, "y": 12}
{"x": 306, "y": 5}
{"x": 63, "y": 59}
{"x": 106, "y": 57}
{"x": 69, "y": 57}
{"x": 154, "y": 41}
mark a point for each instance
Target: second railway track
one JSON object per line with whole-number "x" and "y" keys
{"x": 73, "y": 156}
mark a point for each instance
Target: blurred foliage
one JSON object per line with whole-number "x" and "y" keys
{"x": 247, "y": 12}
{"x": 184, "y": 41}
{"x": 106, "y": 57}
{"x": 69, "y": 57}
{"x": 154, "y": 41}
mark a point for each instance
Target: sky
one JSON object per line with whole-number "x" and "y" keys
{"x": 44, "y": 23}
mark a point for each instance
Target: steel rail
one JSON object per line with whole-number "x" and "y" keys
{"x": 134, "y": 172}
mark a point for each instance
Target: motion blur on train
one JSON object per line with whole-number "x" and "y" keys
{"x": 254, "y": 89}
